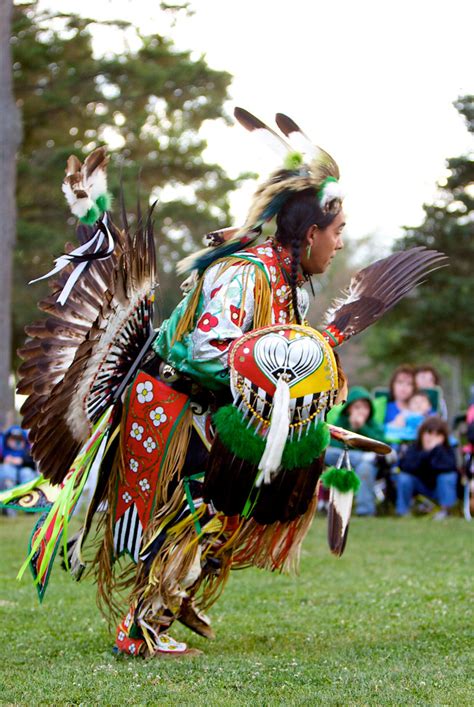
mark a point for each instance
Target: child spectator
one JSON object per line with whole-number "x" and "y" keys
{"x": 356, "y": 415}
{"x": 427, "y": 378}
{"x": 17, "y": 466}
{"x": 428, "y": 467}
{"x": 405, "y": 425}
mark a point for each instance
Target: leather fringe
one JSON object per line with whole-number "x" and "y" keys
{"x": 174, "y": 458}
{"x": 274, "y": 547}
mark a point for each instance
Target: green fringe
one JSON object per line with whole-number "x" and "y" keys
{"x": 104, "y": 202}
{"x": 91, "y": 216}
{"x": 342, "y": 479}
{"x": 61, "y": 511}
{"x": 246, "y": 444}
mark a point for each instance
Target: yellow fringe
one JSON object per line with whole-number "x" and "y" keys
{"x": 342, "y": 385}
{"x": 186, "y": 323}
{"x": 174, "y": 559}
{"x": 175, "y": 456}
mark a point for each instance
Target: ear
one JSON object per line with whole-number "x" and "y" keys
{"x": 311, "y": 235}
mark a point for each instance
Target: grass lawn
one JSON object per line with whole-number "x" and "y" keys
{"x": 391, "y": 622}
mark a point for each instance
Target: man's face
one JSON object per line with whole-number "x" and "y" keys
{"x": 323, "y": 243}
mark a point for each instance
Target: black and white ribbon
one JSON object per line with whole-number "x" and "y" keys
{"x": 82, "y": 258}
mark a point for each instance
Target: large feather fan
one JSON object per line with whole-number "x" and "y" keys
{"x": 77, "y": 358}
{"x": 378, "y": 287}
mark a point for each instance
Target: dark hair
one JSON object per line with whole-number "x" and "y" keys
{"x": 433, "y": 424}
{"x": 431, "y": 369}
{"x": 404, "y": 368}
{"x": 300, "y": 211}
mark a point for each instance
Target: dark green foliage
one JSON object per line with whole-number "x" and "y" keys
{"x": 342, "y": 479}
{"x": 438, "y": 319}
{"x": 149, "y": 102}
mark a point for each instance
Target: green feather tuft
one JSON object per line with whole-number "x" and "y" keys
{"x": 299, "y": 453}
{"x": 236, "y": 436}
{"x": 293, "y": 160}
{"x": 324, "y": 185}
{"x": 342, "y": 479}
{"x": 91, "y": 216}
{"x": 104, "y": 202}
{"x": 246, "y": 444}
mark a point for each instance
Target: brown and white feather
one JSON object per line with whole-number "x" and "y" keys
{"x": 378, "y": 287}
{"x": 76, "y": 358}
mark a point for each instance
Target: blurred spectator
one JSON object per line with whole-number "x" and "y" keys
{"x": 427, "y": 378}
{"x": 405, "y": 426}
{"x": 402, "y": 387}
{"x": 17, "y": 465}
{"x": 428, "y": 467}
{"x": 356, "y": 415}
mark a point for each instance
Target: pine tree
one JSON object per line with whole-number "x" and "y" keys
{"x": 147, "y": 103}
{"x": 437, "y": 321}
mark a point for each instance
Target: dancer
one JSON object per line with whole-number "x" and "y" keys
{"x": 208, "y": 435}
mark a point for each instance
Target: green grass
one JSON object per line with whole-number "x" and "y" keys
{"x": 388, "y": 623}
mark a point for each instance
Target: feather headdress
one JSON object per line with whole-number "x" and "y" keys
{"x": 305, "y": 165}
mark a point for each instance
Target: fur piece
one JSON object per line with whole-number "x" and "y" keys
{"x": 85, "y": 183}
{"x": 277, "y": 434}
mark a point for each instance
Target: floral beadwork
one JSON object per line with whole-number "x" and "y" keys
{"x": 149, "y": 444}
{"x": 158, "y": 416}
{"x": 137, "y": 431}
{"x": 145, "y": 392}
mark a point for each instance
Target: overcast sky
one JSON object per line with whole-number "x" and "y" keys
{"x": 371, "y": 81}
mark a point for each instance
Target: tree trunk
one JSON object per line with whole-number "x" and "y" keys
{"x": 10, "y": 137}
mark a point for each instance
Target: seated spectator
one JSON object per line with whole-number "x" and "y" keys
{"x": 428, "y": 467}
{"x": 356, "y": 415}
{"x": 402, "y": 387}
{"x": 17, "y": 466}
{"x": 427, "y": 378}
{"x": 405, "y": 425}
